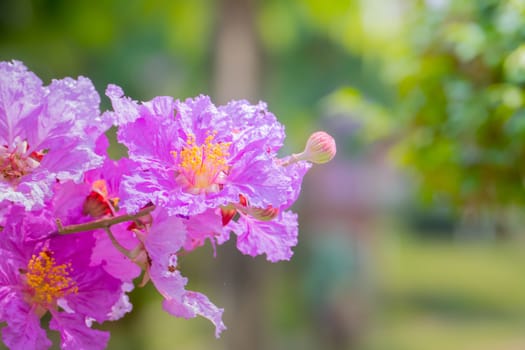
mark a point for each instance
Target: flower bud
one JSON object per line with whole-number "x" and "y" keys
{"x": 320, "y": 148}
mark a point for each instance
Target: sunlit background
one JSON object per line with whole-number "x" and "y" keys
{"x": 412, "y": 237}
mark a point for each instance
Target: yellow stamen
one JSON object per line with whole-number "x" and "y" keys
{"x": 203, "y": 166}
{"x": 47, "y": 280}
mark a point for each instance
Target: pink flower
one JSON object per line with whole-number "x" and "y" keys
{"x": 192, "y": 156}
{"x": 40, "y": 274}
{"x": 47, "y": 134}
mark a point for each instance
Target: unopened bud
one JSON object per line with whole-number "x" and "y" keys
{"x": 320, "y": 148}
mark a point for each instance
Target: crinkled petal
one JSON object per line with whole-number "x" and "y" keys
{"x": 150, "y": 139}
{"x": 296, "y": 173}
{"x": 207, "y": 225}
{"x": 59, "y": 122}
{"x": 165, "y": 238}
{"x": 199, "y": 304}
{"x": 97, "y": 291}
{"x": 21, "y": 95}
{"x": 114, "y": 262}
{"x": 102, "y": 145}
{"x": 9, "y": 280}
{"x": 23, "y": 233}
{"x": 125, "y": 110}
{"x": 9, "y": 195}
{"x": 71, "y": 160}
{"x": 34, "y": 189}
{"x": 254, "y": 123}
{"x": 181, "y": 303}
{"x": 143, "y": 187}
{"x": 199, "y": 116}
{"x": 23, "y": 329}
{"x": 75, "y": 334}
{"x": 259, "y": 179}
{"x": 169, "y": 284}
{"x": 111, "y": 172}
{"x": 68, "y": 201}
{"x": 77, "y": 99}
{"x": 274, "y": 238}
{"x": 123, "y": 305}
{"x": 161, "y": 107}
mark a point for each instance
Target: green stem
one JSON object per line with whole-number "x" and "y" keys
{"x": 294, "y": 158}
{"x": 116, "y": 244}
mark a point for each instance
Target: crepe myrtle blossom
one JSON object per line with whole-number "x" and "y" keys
{"x": 47, "y": 133}
{"x": 270, "y": 230}
{"x": 192, "y": 156}
{"x": 77, "y": 229}
{"x": 42, "y": 273}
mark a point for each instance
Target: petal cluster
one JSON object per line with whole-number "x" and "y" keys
{"x": 191, "y": 155}
{"x": 43, "y": 273}
{"x": 79, "y": 231}
{"x": 46, "y": 134}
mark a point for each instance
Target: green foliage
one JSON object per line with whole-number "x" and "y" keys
{"x": 462, "y": 103}
{"x": 148, "y": 47}
{"x": 450, "y": 296}
{"x": 370, "y": 122}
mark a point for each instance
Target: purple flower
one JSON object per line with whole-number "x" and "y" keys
{"x": 40, "y": 273}
{"x": 46, "y": 133}
{"x": 201, "y": 157}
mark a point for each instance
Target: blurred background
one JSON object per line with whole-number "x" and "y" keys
{"x": 412, "y": 237}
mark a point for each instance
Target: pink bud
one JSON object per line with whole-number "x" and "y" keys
{"x": 320, "y": 148}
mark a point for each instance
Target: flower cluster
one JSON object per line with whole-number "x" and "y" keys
{"x": 78, "y": 228}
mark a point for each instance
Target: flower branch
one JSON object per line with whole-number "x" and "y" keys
{"x": 103, "y": 223}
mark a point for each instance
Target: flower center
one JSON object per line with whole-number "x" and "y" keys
{"x": 15, "y": 162}
{"x": 203, "y": 168}
{"x": 47, "y": 280}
